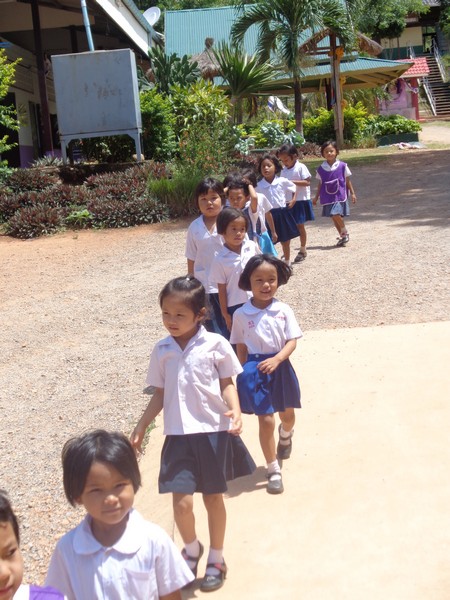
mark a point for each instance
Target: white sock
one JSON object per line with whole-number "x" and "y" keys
{"x": 216, "y": 557}
{"x": 193, "y": 550}
{"x": 273, "y": 467}
{"x": 285, "y": 436}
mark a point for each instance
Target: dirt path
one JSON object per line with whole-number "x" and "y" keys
{"x": 79, "y": 317}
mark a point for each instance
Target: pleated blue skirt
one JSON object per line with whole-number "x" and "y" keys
{"x": 263, "y": 394}
{"x": 285, "y": 224}
{"x": 202, "y": 462}
{"x": 302, "y": 211}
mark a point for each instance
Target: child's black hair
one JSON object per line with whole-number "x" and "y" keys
{"x": 273, "y": 158}
{"x": 227, "y": 216}
{"x": 250, "y": 175}
{"x": 209, "y": 183}
{"x": 108, "y": 447}
{"x": 237, "y": 183}
{"x": 288, "y": 149}
{"x": 190, "y": 288}
{"x": 284, "y": 271}
{"x": 7, "y": 514}
{"x": 329, "y": 143}
{"x": 229, "y": 177}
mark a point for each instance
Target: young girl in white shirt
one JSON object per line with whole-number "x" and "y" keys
{"x": 302, "y": 210}
{"x": 11, "y": 561}
{"x": 203, "y": 243}
{"x": 265, "y": 331}
{"x": 192, "y": 372}
{"x": 280, "y": 192}
{"x": 229, "y": 263}
{"x": 114, "y": 553}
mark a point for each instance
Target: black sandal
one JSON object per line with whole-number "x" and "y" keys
{"x": 210, "y": 583}
{"x": 194, "y": 559}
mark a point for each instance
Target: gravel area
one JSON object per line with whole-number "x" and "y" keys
{"x": 79, "y": 317}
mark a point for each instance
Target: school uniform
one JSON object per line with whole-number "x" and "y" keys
{"x": 35, "y": 592}
{"x": 227, "y": 267}
{"x": 199, "y": 453}
{"x": 278, "y": 193}
{"x": 257, "y": 230}
{"x": 143, "y": 563}
{"x": 302, "y": 209}
{"x": 333, "y": 190}
{"x": 265, "y": 332}
{"x": 202, "y": 246}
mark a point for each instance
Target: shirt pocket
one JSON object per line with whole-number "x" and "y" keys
{"x": 139, "y": 584}
{"x": 332, "y": 187}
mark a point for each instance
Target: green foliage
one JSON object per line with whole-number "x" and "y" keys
{"x": 158, "y": 123}
{"x": 385, "y": 18}
{"x": 8, "y": 118}
{"x": 200, "y": 102}
{"x": 171, "y": 70}
{"x": 108, "y": 149}
{"x": 444, "y": 18}
{"x": 206, "y": 148}
{"x": 273, "y": 133}
{"x": 378, "y": 125}
{"x": 177, "y": 193}
{"x": 79, "y": 219}
{"x": 358, "y": 125}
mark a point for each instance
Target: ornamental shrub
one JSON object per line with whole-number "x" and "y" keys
{"x": 21, "y": 180}
{"x": 33, "y": 221}
{"x": 158, "y": 122}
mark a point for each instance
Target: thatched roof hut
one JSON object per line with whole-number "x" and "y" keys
{"x": 207, "y": 63}
{"x": 365, "y": 44}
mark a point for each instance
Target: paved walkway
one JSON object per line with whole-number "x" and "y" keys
{"x": 365, "y": 513}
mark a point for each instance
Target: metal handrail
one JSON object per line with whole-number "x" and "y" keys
{"x": 411, "y": 52}
{"x": 429, "y": 93}
{"x": 440, "y": 62}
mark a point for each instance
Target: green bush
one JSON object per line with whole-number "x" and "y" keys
{"x": 274, "y": 133}
{"x": 378, "y": 125}
{"x": 206, "y": 148}
{"x": 113, "y": 148}
{"x": 158, "y": 123}
{"x": 177, "y": 193}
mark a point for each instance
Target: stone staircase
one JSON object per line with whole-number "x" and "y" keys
{"x": 440, "y": 89}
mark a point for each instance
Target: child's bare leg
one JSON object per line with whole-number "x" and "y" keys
{"x": 266, "y": 437}
{"x": 286, "y": 431}
{"x": 217, "y": 519}
{"x": 286, "y": 250}
{"x": 183, "y": 511}
{"x": 302, "y": 231}
{"x": 267, "y": 441}
{"x": 339, "y": 224}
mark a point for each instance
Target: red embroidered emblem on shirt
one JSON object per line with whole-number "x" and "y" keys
{"x": 251, "y": 324}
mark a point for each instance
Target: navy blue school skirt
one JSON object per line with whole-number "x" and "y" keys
{"x": 302, "y": 211}
{"x": 202, "y": 462}
{"x": 264, "y": 394}
{"x": 285, "y": 225}
{"x": 215, "y": 323}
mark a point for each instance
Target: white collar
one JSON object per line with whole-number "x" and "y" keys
{"x": 250, "y": 309}
{"x": 265, "y": 184}
{"x": 132, "y": 538}
{"x": 172, "y": 343}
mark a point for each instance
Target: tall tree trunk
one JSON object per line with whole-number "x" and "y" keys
{"x": 298, "y": 105}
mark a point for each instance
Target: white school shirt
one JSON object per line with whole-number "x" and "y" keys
{"x": 279, "y": 192}
{"x": 299, "y": 171}
{"x": 227, "y": 268}
{"x": 143, "y": 563}
{"x": 262, "y": 208}
{"x": 264, "y": 330}
{"x": 201, "y": 247}
{"x": 193, "y": 401}
{"x": 326, "y": 167}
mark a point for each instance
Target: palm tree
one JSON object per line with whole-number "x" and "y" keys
{"x": 244, "y": 75}
{"x": 282, "y": 23}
